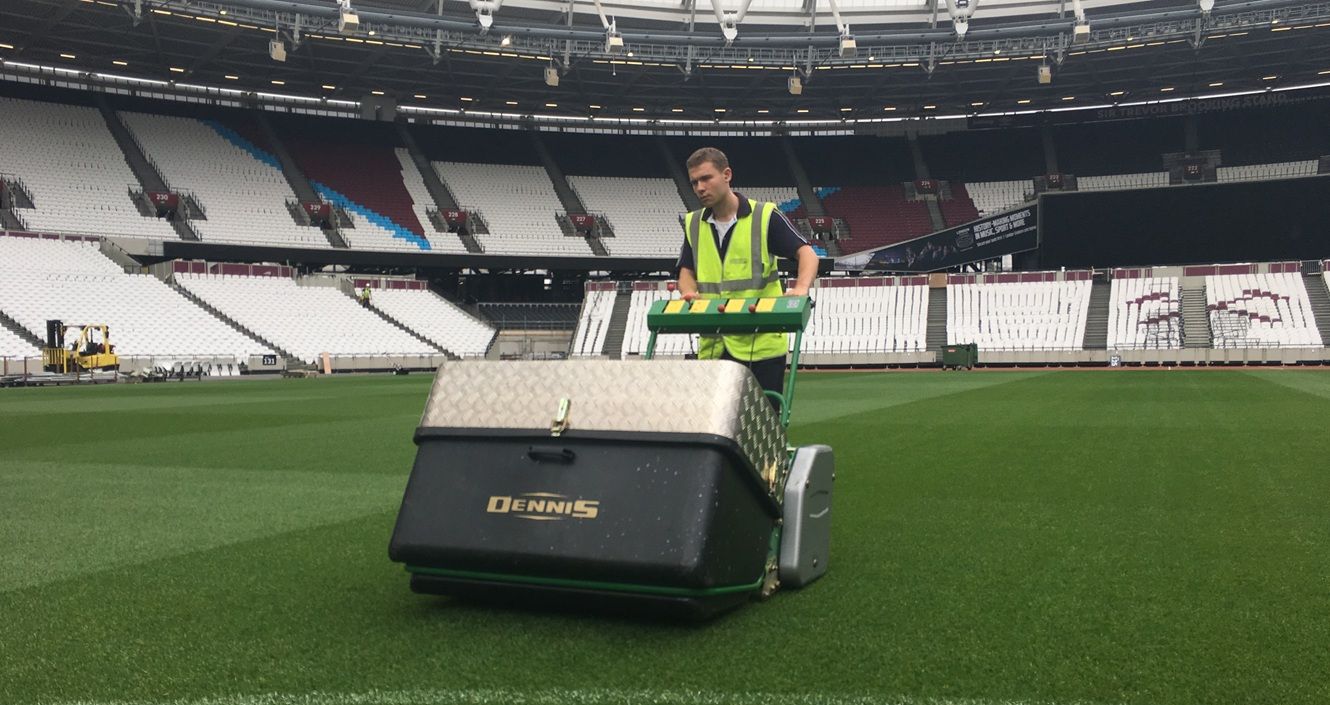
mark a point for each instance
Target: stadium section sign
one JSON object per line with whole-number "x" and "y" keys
{"x": 987, "y": 238}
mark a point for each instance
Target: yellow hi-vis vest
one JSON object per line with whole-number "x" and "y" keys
{"x": 749, "y": 270}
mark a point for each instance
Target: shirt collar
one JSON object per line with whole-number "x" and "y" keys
{"x": 745, "y": 209}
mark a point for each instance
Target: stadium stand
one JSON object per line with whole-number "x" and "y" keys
{"x": 306, "y": 321}
{"x": 643, "y": 212}
{"x": 1272, "y": 134}
{"x": 519, "y": 205}
{"x": 354, "y": 165}
{"x": 997, "y": 196}
{"x": 242, "y": 192}
{"x": 1259, "y": 172}
{"x": 531, "y": 316}
{"x": 435, "y": 319}
{"x": 878, "y": 216}
{"x": 593, "y": 323}
{"x": 635, "y": 334}
{"x": 421, "y": 203}
{"x": 74, "y": 170}
{"x": 960, "y": 208}
{"x": 886, "y": 315}
{"x": 785, "y": 197}
{"x": 1151, "y": 179}
{"x": 1260, "y": 310}
{"x": 1145, "y": 313}
{"x": 1019, "y": 316}
{"x": 12, "y": 346}
{"x": 75, "y": 283}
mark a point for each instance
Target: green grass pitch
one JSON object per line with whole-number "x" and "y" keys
{"x": 1153, "y": 537}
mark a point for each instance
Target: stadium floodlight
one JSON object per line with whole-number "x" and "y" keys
{"x": 729, "y": 21}
{"x": 485, "y": 10}
{"x": 347, "y": 19}
{"x": 795, "y": 85}
{"x": 961, "y": 11}
{"x": 551, "y": 76}
{"x": 1206, "y": 6}
{"x": 848, "y": 47}
{"x": 1080, "y": 33}
{"x": 1045, "y": 74}
{"x": 613, "y": 40}
{"x": 277, "y": 50}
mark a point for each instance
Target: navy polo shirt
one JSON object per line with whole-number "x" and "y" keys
{"x": 783, "y": 240}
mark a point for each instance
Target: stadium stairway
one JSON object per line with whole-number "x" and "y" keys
{"x": 9, "y": 220}
{"x": 1195, "y": 319}
{"x": 936, "y": 336}
{"x": 292, "y": 361}
{"x": 1096, "y": 318}
{"x": 618, "y": 324}
{"x": 438, "y": 190}
{"x": 680, "y": 178}
{"x": 1319, "y": 298}
{"x": 13, "y": 327}
{"x": 145, "y": 172}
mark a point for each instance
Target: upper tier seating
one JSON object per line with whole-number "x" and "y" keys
{"x": 75, "y": 283}
{"x": 421, "y": 202}
{"x": 530, "y": 316}
{"x": 858, "y": 319}
{"x": 1260, "y": 310}
{"x": 1145, "y": 313}
{"x": 878, "y": 216}
{"x": 519, "y": 205}
{"x": 643, "y": 212}
{"x": 593, "y": 324}
{"x": 997, "y": 196}
{"x": 1019, "y": 316}
{"x": 960, "y": 208}
{"x": 245, "y": 198}
{"x": 304, "y": 320}
{"x": 355, "y": 166}
{"x": 1258, "y": 172}
{"x": 74, "y": 170}
{"x": 436, "y": 319}
{"x": 779, "y": 195}
{"x": 1151, "y": 179}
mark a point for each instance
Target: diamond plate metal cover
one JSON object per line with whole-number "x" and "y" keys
{"x": 658, "y": 396}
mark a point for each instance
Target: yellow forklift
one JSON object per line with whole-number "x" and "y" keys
{"x": 91, "y": 350}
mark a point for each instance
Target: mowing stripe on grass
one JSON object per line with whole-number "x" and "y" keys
{"x": 564, "y": 696}
{"x": 835, "y": 396}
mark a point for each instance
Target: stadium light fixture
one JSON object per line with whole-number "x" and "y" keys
{"x": 278, "y": 82}
{"x": 1080, "y": 32}
{"x": 551, "y": 76}
{"x": 1044, "y": 74}
{"x": 802, "y": 111}
{"x": 1023, "y": 101}
{"x": 420, "y": 96}
{"x": 347, "y": 19}
{"x": 510, "y": 102}
{"x": 329, "y": 87}
{"x": 231, "y": 77}
{"x": 1117, "y": 93}
{"x": 485, "y": 10}
{"x": 551, "y": 105}
{"x": 676, "y": 110}
{"x": 1167, "y": 89}
{"x": 889, "y": 108}
{"x": 68, "y": 56}
{"x": 376, "y": 92}
{"x": 961, "y": 11}
{"x": 1269, "y": 78}
{"x": 277, "y": 50}
{"x": 795, "y": 85}
{"x": 118, "y": 62}
{"x": 930, "y": 107}
{"x": 507, "y": 40}
{"x": 176, "y": 69}
{"x": 1216, "y": 84}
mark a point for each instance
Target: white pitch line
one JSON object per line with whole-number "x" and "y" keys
{"x": 564, "y": 696}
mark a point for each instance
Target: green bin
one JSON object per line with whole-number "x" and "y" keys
{"x": 960, "y": 355}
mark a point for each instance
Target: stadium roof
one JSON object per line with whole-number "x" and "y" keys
{"x": 676, "y": 61}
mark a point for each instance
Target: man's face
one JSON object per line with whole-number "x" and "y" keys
{"x": 709, "y": 183}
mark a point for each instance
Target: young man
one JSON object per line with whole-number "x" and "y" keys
{"x": 729, "y": 251}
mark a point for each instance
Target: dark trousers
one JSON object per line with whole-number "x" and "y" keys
{"x": 769, "y": 373}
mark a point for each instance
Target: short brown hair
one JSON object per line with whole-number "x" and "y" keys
{"x": 709, "y": 154}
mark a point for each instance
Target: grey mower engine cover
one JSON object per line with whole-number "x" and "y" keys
{"x": 805, "y": 543}
{"x": 637, "y": 480}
